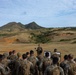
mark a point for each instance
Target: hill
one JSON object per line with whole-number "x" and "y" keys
{"x": 33, "y": 33}
{"x": 33, "y": 25}
{"x": 12, "y": 26}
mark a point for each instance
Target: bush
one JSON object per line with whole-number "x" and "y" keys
{"x": 40, "y": 38}
{"x": 74, "y": 42}
{"x": 65, "y": 40}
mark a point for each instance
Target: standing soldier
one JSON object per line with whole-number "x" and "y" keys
{"x": 19, "y": 56}
{"x": 56, "y": 54}
{"x": 54, "y": 69}
{"x": 28, "y": 54}
{"x": 26, "y": 66}
{"x": 39, "y": 48}
{"x": 46, "y": 61}
{"x": 5, "y": 61}
{"x": 64, "y": 65}
{"x": 13, "y": 55}
{"x": 33, "y": 60}
{"x": 39, "y": 59}
{"x": 72, "y": 65}
{"x": 4, "y": 70}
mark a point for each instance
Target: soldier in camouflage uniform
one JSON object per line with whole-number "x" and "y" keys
{"x": 19, "y": 56}
{"x": 13, "y": 55}
{"x": 5, "y": 61}
{"x": 56, "y": 54}
{"x": 54, "y": 69}
{"x": 39, "y": 59}
{"x": 28, "y": 65}
{"x": 64, "y": 65}
{"x": 46, "y": 61}
{"x": 28, "y": 54}
{"x": 32, "y": 59}
{"x": 4, "y": 70}
{"x": 39, "y": 48}
{"x": 72, "y": 65}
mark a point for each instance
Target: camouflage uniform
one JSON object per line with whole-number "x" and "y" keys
{"x": 32, "y": 59}
{"x": 46, "y": 62}
{"x": 72, "y": 68}
{"x": 65, "y": 66}
{"x": 4, "y": 70}
{"x": 51, "y": 68}
{"x": 5, "y": 62}
{"x": 14, "y": 66}
{"x": 30, "y": 68}
{"x": 39, "y": 63}
{"x": 12, "y": 57}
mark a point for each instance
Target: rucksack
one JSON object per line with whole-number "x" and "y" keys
{"x": 54, "y": 71}
{"x": 33, "y": 60}
{"x": 14, "y": 67}
{"x": 72, "y": 68}
{"x": 39, "y": 62}
{"x": 23, "y": 68}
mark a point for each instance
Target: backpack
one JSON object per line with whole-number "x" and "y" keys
{"x": 54, "y": 71}
{"x": 39, "y": 62}
{"x": 33, "y": 60}
{"x": 72, "y": 68}
{"x": 65, "y": 67}
{"x": 24, "y": 68}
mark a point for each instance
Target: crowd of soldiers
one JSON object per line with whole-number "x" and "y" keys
{"x": 13, "y": 63}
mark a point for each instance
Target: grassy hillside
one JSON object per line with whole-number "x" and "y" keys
{"x": 34, "y": 33}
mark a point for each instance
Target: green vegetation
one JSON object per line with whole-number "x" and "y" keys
{"x": 33, "y": 33}
{"x": 41, "y": 38}
{"x": 5, "y": 34}
{"x": 74, "y": 42}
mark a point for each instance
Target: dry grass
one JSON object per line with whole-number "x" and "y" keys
{"x": 63, "y": 48}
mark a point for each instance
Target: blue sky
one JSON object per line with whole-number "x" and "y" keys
{"x": 47, "y": 13}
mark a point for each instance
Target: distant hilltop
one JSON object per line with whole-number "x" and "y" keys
{"x": 20, "y": 26}
{"x": 33, "y": 25}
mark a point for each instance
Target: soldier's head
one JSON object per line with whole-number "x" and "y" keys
{"x": 70, "y": 56}
{"x": 24, "y": 56}
{"x": 5, "y": 55}
{"x": 55, "y": 60}
{"x": 75, "y": 59}
{"x": 1, "y": 57}
{"x": 14, "y": 51}
{"x": 39, "y": 52}
{"x": 19, "y": 54}
{"x": 10, "y": 52}
{"x": 65, "y": 57}
{"x": 38, "y": 45}
{"x": 47, "y": 54}
{"x": 28, "y": 54}
{"x": 31, "y": 52}
{"x": 55, "y": 50}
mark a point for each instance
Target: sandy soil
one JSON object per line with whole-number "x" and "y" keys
{"x": 63, "y": 48}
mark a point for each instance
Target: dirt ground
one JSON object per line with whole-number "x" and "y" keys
{"x": 63, "y": 48}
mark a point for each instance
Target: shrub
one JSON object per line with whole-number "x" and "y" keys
{"x": 65, "y": 40}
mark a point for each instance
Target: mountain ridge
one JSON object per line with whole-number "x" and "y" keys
{"x": 20, "y": 26}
